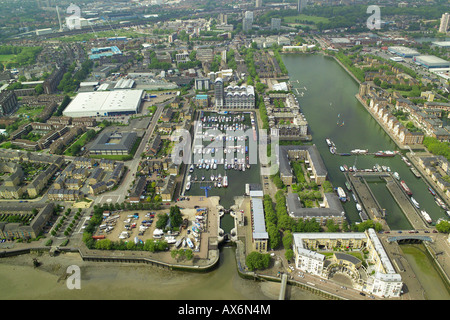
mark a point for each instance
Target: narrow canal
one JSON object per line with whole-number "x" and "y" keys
{"x": 326, "y": 95}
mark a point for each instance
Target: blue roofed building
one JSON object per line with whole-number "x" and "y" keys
{"x": 97, "y": 53}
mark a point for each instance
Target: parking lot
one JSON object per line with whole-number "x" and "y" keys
{"x": 119, "y": 222}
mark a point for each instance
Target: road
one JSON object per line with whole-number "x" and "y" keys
{"x": 119, "y": 194}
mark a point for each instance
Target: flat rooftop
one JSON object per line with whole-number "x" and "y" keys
{"x": 404, "y": 51}
{"x": 111, "y": 141}
{"x": 445, "y": 44}
{"x": 285, "y": 166}
{"x": 431, "y": 60}
{"x": 102, "y": 103}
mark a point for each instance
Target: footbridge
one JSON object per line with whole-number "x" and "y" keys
{"x": 282, "y": 294}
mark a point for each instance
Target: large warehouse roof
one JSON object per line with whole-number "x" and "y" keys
{"x": 403, "y": 51}
{"x": 103, "y": 103}
{"x": 432, "y": 61}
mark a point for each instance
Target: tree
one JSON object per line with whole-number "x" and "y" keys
{"x": 274, "y": 236}
{"x": 162, "y": 220}
{"x": 131, "y": 245}
{"x": 443, "y": 226}
{"x": 256, "y": 260}
{"x": 175, "y": 217}
{"x": 289, "y": 254}
{"x": 103, "y": 244}
{"x": 287, "y": 240}
{"x": 189, "y": 254}
{"x": 331, "y": 226}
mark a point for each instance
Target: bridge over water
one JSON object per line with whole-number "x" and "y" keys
{"x": 410, "y": 238}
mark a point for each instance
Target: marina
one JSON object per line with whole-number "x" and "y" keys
{"x": 222, "y": 156}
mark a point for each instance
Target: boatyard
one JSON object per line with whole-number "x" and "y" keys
{"x": 199, "y": 230}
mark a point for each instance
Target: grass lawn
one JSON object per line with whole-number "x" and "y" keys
{"x": 112, "y": 157}
{"x": 5, "y": 58}
{"x": 89, "y": 36}
{"x": 80, "y": 141}
{"x": 303, "y": 17}
{"x": 30, "y": 111}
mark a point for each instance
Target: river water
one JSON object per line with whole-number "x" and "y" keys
{"x": 106, "y": 281}
{"x": 332, "y": 111}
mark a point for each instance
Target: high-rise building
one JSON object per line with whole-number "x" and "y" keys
{"x": 275, "y": 24}
{"x": 219, "y": 92}
{"x": 247, "y": 24}
{"x": 202, "y": 84}
{"x": 223, "y": 18}
{"x": 8, "y": 102}
{"x": 258, "y": 4}
{"x": 301, "y": 5}
{"x": 249, "y": 15}
{"x": 444, "y": 22}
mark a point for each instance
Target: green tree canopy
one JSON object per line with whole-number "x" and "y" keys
{"x": 257, "y": 261}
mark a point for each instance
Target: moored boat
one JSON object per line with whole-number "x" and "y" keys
{"x": 341, "y": 194}
{"x": 426, "y": 216}
{"x": 415, "y": 203}
{"x": 359, "y": 151}
{"x": 405, "y": 159}
{"x": 416, "y": 173}
{"x": 432, "y": 191}
{"x": 225, "y": 181}
{"x": 385, "y": 153}
{"x": 396, "y": 176}
{"x": 348, "y": 186}
{"x": 405, "y": 187}
{"x": 440, "y": 203}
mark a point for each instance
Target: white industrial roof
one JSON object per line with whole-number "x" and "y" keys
{"x": 91, "y": 103}
{"x": 124, "y": 84}
{"x": 404, "y": 50}
{"x": 442, "y": 43}
{"x": 89, "y": 84}
{"x": 430, "y": 59}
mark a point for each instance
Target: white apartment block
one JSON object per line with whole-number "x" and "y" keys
{"x": 379, "y": 279}
{"x": 444, "y": 22}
